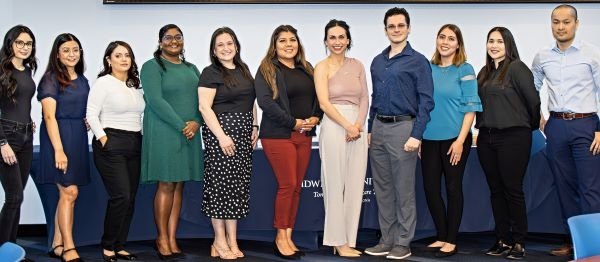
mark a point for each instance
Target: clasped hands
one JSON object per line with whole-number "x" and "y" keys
{"x": 190, "y": 129}
{"x": 306, "y": 125}
{"x": 353, "y": 132}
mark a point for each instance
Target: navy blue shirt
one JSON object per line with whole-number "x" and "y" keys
{"x": 402, "y": 85}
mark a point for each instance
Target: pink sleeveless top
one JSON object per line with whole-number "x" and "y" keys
{"x": 348, "y": 86}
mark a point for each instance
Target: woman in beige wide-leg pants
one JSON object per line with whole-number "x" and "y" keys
{"x": 343, "y": 96}
{"x": 343, "y": 169}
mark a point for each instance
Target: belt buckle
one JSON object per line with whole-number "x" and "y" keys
{"x": 568, "y": 116}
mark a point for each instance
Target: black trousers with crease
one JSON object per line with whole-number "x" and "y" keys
{"x": 118, "y": 163}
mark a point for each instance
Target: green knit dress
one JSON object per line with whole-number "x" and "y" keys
{"x": 171, "y": 100}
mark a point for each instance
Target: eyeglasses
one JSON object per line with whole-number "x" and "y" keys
{"x": 67, "y": 51}
{"x": 396, "y": 27}
{"x": 20, "y": 44}
{"x": 170, "y": 38}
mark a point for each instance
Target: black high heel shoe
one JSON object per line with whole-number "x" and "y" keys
{"x": 164, "y": 257}
{"x": 279, "y": 254}
{"x": 62, "y": 256}
{"x": 52, "y": 253}
{"x": 178, "y": 255}
{"x": 161, "y": 256}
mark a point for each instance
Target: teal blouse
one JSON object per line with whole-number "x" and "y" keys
{"x": 454, "y": 94}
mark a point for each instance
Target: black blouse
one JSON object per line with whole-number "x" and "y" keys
{"x": 20, "y": 110}
{"x": 300, "y": 90}
{"x": 229, "y": 99}
{"x": 512, "y": 102}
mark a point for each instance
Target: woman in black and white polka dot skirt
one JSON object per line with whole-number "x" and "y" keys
{"x": 230, "y": 132}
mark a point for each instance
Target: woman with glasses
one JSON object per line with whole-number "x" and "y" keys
{"x": 17, "y": 64}
{"x": 64, "y": 154}
{"x": 171, "y": 145}
{"x": 285, "y": 91}
{"x": 114, "y": 112}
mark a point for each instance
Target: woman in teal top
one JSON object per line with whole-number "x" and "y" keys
{"x": 171, "y": 146}
{"x": 447, "y": 138}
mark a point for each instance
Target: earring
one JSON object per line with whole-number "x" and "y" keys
{"x": 109, "y": 65}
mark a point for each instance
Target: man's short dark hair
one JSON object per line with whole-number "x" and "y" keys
{"x": 397, "y": 11}
{"x": 572, "y": 8}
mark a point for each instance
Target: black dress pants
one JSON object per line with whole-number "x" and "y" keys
{"x": 119, "y": 165}
{"x": 435, "y": 162}
{"x": 504, "y": 155}
{"x": 13, "y": 178}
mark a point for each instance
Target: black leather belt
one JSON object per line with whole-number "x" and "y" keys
{"x": 569, "y": 115}
{"x": 393, "y": 119}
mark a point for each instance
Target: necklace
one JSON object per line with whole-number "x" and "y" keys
{"x": 444, "y": 69}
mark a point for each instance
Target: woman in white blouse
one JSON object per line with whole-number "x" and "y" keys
{"x": 114, "y": 113}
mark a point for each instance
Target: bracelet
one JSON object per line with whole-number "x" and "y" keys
{"x": 3, "y": 142}
{"x": 256, "y": 126}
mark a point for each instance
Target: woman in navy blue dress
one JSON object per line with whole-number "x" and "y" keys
{"x": 64, "y": 161}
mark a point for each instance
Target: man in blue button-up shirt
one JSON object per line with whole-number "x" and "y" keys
{"x": 401, "y": 102}
{"x": 571, "y": 69}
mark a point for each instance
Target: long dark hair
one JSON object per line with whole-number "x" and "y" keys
{"x": 237, "y": 59}
{"x": 511, "y": 54}
{"x": 8, "y": 85}
{"x": 57, "y": 68}
{"x": 133, "y": 76}
{"x": 161, "y": 33}
{"x": 267, "y": 69}
{"x": 333, "y": 23}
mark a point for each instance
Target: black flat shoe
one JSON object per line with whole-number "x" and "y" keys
{"x": 499, "y": 249}
{"x": 441, "y": 253}
{"x": 106, "y": 258}
{"x": 299, "y": 253}
{"x": 52, "y": 253}
{"x": 126, "y": 257}
{"x": 279, "y": 254}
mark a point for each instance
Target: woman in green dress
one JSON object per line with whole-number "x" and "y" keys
{"x": 171, "y": 147}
